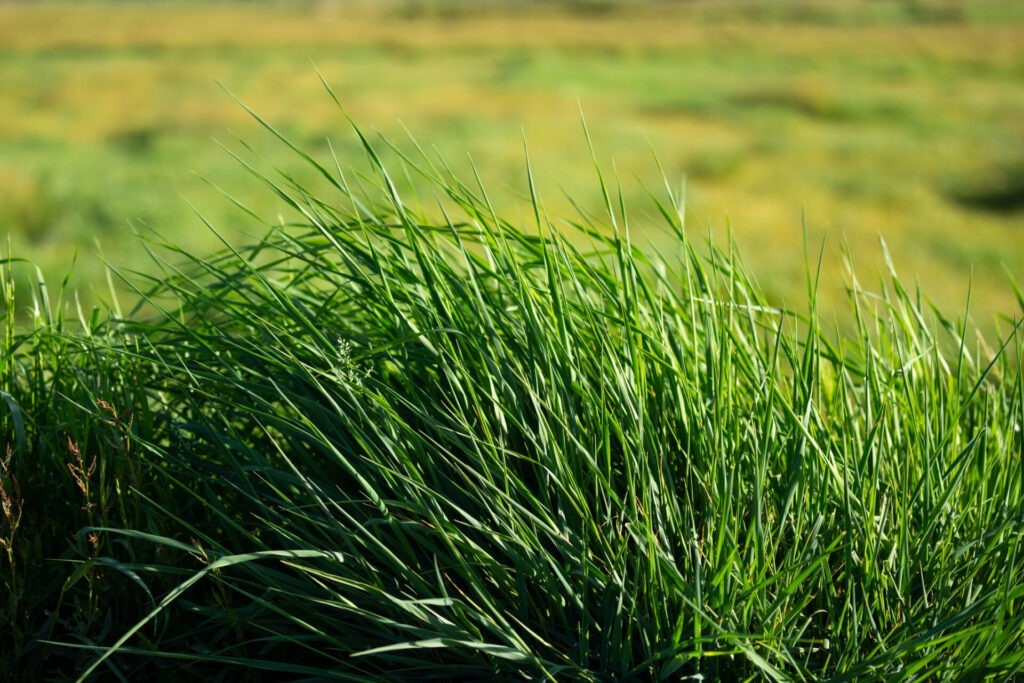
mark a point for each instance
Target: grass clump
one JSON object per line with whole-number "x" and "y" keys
{"x": 379, "y": 443}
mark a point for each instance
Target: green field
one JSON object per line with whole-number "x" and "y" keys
{"x": 394, "y": 419}
{"x": 900, "y": 120}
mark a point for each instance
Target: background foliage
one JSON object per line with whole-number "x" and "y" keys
{"x": 899, "y": 119}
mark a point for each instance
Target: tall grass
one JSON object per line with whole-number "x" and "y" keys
{"x": 393, "y": 442}
{"x": 70, "y": 407}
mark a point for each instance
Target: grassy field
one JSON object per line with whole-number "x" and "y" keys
{"x": 866, "y": 119}
{"x": 392, "y": 418}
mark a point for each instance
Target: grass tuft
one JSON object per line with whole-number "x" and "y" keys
{"x": 385, "y": 441}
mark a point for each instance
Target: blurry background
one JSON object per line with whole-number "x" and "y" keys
{"x": 857, "y": 118}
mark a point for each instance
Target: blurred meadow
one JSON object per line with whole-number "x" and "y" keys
{"x": 790, "y": 123}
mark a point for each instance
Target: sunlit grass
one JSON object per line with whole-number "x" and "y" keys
{"x": 375, "y": 444}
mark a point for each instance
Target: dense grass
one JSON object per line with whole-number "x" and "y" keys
{"x": 892, "y": 117}
{"x": 371, "y": 446}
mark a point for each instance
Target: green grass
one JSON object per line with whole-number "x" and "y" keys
{"x": 373, "y": 445}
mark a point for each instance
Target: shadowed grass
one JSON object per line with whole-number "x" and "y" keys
{"x": 383, "y": 447}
